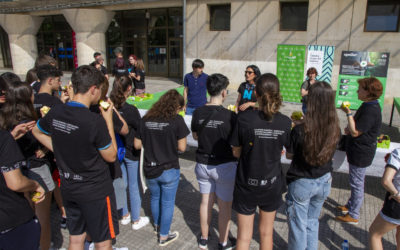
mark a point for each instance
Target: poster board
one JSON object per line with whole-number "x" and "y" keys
{"x": 355, "y": 65}
{"x": 321, "y": 57}
{"x": 290, "y": 70}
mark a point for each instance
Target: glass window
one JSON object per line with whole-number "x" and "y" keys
{"x": 175, "y": 32}
{"x": 158, "y": 37}
{"x": 220, "y": 17}
{"x": 158, "y": 18}
{"x": 134, "y": 19}
{"x": 294, "y": 16}
{"x": 382, "y": 16}
{"x": 175, "y": 17}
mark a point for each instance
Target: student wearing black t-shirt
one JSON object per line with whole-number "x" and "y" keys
{"x": 258, "y": 139}
{"x": 83, "y": 142}
{"x": 17, "y": 110}
{"x": 138, "y": 78}
{"x": 18, "y": 227}
{"x": 162, "y": 132}
{"x": 362, "y": 132}
{"x": 122, "y": 88}
{"x": 212, "y": 126}
{"x": 246, "y": 95}
{"x": 312, "y": 145}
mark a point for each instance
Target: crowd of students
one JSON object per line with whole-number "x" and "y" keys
{"x": 91, "y": 153}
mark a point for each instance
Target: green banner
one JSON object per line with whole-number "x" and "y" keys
{"x": 355, "y": 65}
{"x": 290, "y": 70}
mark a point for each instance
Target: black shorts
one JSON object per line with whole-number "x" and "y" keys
{"x": 267, "y": 199}
{"x": 96, "y": 217}
{"x": 391, "y": 208}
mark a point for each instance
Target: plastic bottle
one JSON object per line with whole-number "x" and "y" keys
{"x": 345, "y": 245}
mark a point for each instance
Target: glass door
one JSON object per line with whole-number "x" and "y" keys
{"x": 175, "y": 59}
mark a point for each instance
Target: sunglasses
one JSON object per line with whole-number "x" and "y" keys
{"x": 249, "y": 72}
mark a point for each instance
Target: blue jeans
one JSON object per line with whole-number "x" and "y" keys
{"x": 356, "y": 177}
{"x": 163, "y": 192}
{"x": 304, "y": 107}
{"x": 130, "y": 174}
{"x": 304, "y": 202}
{"x": 189, "y": 111}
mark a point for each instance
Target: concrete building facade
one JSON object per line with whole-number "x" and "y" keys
{"x": 252, "y": 38}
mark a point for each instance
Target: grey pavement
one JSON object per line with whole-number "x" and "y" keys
{"x": 186, "y": 215}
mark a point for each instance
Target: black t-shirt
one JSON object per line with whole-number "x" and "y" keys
{"x": 115, "y": 168}
{"x": 139, "y": 84}
{"x": 14, "y": 208}
{"x": 214, "y": 147}
{"x": 246, "y": 90}
{"x": 77, "y": 136}
{"x": 160, "y": 143}
{"x": 132, "y": 117}
{"x": 299, "y": 168}
{"x": 361, "y": 149}
{"x": 262, "y": 141}
{"x": 28, "y": 145}
{"x": 44, "y": 99}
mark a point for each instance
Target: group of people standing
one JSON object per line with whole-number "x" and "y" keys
{"x": 96, "y": 151}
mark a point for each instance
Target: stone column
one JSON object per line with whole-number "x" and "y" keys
{"x": 21, "y": 30}
{"x": 90, "y": 26}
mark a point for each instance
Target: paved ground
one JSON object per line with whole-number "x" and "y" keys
{"x": 186, "y": 219}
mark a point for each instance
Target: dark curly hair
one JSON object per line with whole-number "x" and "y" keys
{"x": 167, "y": 107}
{"x": 268, "y": 91}
{"x": 120, "y": 86}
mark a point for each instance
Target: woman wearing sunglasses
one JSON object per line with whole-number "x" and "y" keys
{"x": 246, "y": 97}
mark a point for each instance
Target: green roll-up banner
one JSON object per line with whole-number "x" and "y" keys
{"x": 355, "y": 65}
{"x": 290, "y": 70}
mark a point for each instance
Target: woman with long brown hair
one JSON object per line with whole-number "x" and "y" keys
{"x": 18, "y": 109}
{"x": 162, "y": 132}
{"x": 258, "y": 139}
{"x": 121, "y": 90}
{"x": 312, "y": 146}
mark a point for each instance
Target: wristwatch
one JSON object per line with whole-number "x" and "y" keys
{"x": 349, "y": 114}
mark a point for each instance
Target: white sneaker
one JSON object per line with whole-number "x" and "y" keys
{"x": 143, "y": 221}
{"x": 126, "y": 220}
{"x": 120, "y": 248}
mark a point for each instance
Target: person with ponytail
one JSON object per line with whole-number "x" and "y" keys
{"x": 122, "y": 88}
{"x": 163, "y": 132}
{"x": 257, "y": 140}
{"x": 313, "y": 144}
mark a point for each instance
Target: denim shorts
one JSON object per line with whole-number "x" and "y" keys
{"x": 388, "y": 219}
{"x": 217, "y": 178}
{"x": 42, "y": 175}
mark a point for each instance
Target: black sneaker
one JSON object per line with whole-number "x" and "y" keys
{"x": 231, "y": 244}
{"x": 171, "y": 237}
{"x": 63, "y": 223}
{"x": 202, "y": 243}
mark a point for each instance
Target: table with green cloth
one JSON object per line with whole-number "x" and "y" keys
{"x": 396, "y": 103}
{"x": 148, "y": 103}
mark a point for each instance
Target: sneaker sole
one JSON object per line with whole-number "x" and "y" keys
{"x": 203, "y": 247}
{"x": 166, "y": 243}
{"x": 347, "y": 222}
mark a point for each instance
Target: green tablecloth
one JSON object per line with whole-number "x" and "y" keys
{"x": 147, "y": 104}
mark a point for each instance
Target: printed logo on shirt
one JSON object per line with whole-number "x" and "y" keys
{"x": 156, "y": 125}
{"x": 252, "y": 182}
{"x": 268, "y": 133}
{"x": 247, "y": 94}
{"x": 63, "y": 126}
{"x": 212, "y": 123}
